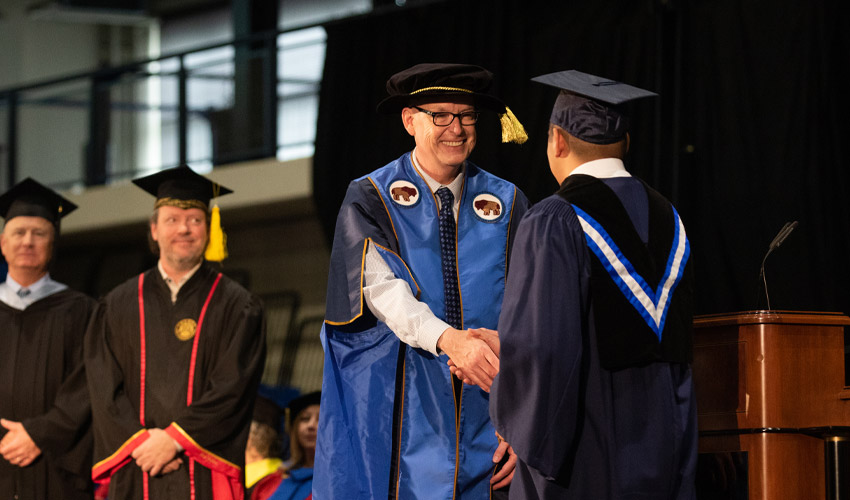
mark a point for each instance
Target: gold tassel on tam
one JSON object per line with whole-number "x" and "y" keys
{"x": 512, "y": 129}
{"x": 217, "y": 246}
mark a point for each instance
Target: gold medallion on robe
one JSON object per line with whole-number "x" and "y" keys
{"x": 185, "y": 329}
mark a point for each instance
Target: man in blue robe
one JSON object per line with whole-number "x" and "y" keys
{"x": 594, "y": 390}
{"x": 406, "y": 296}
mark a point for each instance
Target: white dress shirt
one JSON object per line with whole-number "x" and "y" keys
{"x": 390, "y": 298}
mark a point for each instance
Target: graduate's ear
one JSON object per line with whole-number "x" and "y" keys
{"x": 628, "y": 142}
{"x": 407, "y": 120}
{"x": 561, "y": 148}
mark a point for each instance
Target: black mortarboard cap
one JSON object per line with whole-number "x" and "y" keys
{"x": 182, "y": 187}
{"x": 30, "y": 198}
{"x": 296, "y": 405}
{"x": 587, "y": 107}
{"x": 267, "y": 412}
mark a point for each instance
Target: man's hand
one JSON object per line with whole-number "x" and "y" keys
{"x": 471, "y": 355}
{"x": 172, "y": 466}
{"x": 491, "y": 338}
{"x": 505, "y": 475}
{"x": 17, "y": 446}
{"x": 157, "y": 454}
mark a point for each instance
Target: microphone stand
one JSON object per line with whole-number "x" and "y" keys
{"x": 777, "y": 240}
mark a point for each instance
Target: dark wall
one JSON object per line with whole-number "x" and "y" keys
{"x": 273, "y": 248}
{"x": 749, "y": 132}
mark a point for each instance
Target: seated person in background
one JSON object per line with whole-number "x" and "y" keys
{"x": 263, "y": 472}
{"x": 302, "y": 425}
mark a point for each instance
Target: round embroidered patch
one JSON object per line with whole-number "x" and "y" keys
{"x": 488, "y": 207}
{"x": 404, "y": 193}
{"x": 185, "y": 329}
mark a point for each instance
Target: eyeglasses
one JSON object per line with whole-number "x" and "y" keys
{"x": 444, "y": 118}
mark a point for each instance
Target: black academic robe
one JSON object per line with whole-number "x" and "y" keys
{"x": 215, "y": 331}
{"x": 42, "y": 385}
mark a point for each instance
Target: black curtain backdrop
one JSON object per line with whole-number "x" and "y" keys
{"x": 750, "y": 130}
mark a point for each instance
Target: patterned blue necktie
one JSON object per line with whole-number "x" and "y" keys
{"x": 24, "y": 293}
{"x": 449, "y": 257}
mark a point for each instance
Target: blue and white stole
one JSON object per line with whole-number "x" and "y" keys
{"x": 651, "y": 304}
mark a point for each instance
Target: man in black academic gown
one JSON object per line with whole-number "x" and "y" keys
{"x": 174, "y": 357}
{"x": 595, "y": 391}
{"x": 45, "y": 441}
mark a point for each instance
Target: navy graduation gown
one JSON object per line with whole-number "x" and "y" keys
{"x": 582, "y": 430}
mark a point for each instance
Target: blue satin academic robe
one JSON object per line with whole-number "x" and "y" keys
{"x": 295, "y": 487}
{"x": 389, "y": 422}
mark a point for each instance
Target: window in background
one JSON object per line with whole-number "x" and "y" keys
{"x": 132, "y": 117}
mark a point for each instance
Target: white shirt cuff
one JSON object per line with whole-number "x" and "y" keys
{"x": 429, "y": 334}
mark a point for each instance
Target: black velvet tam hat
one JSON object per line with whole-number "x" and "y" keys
{"x": 441, "y": 82}
{"x": 432, "y": 82}
{"x": 587, "y": 105}
{"x": 300, "y": 403}
{"x": 29, "y": 198}
{"x": 181, "y": 187}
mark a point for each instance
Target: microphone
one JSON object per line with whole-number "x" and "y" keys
{"x": 780, "y": 238}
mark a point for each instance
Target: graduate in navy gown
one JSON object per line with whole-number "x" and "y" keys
{"x": 595, "y": 391}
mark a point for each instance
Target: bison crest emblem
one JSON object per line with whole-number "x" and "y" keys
{"x": 404, "y": 193}
{"x": 487, "y": 207}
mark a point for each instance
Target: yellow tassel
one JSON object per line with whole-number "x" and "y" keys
{"x": 512, "y": 129}
{"x": 217, "y": 246}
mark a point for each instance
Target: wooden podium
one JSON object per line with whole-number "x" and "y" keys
{"x": 773, "y": 405}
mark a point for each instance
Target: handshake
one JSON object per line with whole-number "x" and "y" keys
{"x": 473, "y": 354}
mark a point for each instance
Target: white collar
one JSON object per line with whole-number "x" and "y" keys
{"x": 604, "y": 168}
{"x": 455, "y": 186}
{"x": 34, "y": 288}
{"x": 42, "y": 288}
{"x": 173, "y": 285}
{"x": 185, "y": 277}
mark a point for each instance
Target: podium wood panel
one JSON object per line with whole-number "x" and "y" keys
{"x": 761, "y": 376}
{"x": 780, "y": 466}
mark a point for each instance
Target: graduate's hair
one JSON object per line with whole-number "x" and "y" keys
{"x": 264, "y": 439}
{"x": 590, "y": 151}
{"x": 152, "y": 244}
